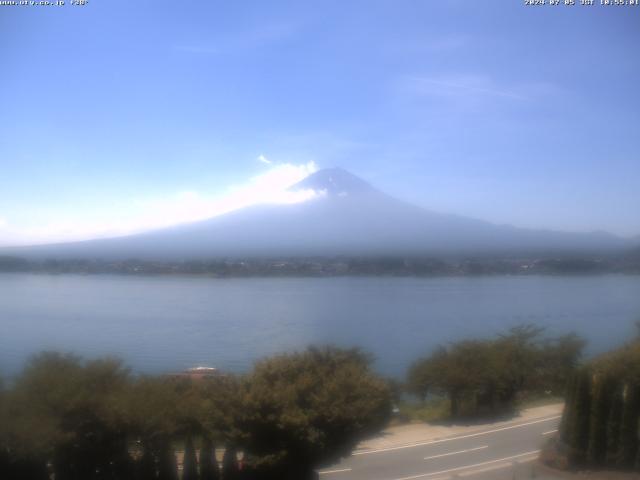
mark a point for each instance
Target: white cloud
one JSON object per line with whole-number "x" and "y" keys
{"x": 269, "y": 187}
{"x": 263, "y": 159}
{"x": 141, "y": 214}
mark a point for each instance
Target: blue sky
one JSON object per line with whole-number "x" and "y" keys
{"x": 117, "y": 112}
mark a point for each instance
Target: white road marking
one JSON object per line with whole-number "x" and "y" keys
{"x": 550, "y": 432}
{"x": 486, "y": 469}
{"x": 466, "y": 467}
{"x": 432, "y": 442}
{"x": 495, "y": 467}
{"x": 455, "y": 453}
{"x": 327, "y": 472}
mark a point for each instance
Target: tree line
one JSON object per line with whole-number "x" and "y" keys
{"x": 332, "y": 266}
{"x": 489, "y": 376}
{"x": 93, "y": 420}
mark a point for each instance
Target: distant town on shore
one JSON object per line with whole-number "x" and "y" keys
{"x": 334, "y": 266}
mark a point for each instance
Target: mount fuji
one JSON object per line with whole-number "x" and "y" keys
{"x": 347, "y": 216}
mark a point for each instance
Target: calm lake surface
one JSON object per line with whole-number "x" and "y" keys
{"x": 167, "y": 323}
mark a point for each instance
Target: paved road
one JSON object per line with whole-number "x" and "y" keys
{"x": 504, "y": 452}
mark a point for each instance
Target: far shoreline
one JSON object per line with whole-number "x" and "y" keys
{"x": 334, "y": 267}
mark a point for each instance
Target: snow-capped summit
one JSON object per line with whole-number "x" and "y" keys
{"x": 335, "y": 182}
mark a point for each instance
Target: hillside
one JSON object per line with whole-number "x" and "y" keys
{"x": 346, "y": 217}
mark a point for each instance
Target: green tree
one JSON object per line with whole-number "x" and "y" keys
{"x": 519, "y": 350}
{"x": 145, "y": 467}
{"x": 560, "y": 357}
{"x": 220, "y": 408}
{"x": 579, "y": 436}
{"x": 167, "y": 467}
{"x": 466, "y": 373}
{"x": 629, "y": 426}
{"x": 4, "y": 440}
{"x": 600, "y": 408}
{"x": 487, "y": 376}
{"x": 624, "y": 365}
{"x": 304, "y": 409}
{"x": 73, "y": 409}
{"x": 613, "y": 424}
{"x": 602, "y": 412}
{"x": 209, "y": 469}
{"x": 190, "y": 462}
{"x": 230, "y": 464}
{"x": 422, "y": 378}
{"x": 567, "y": 422}
{"x": 152, "y": 407}
{"x": 30, "y": 429}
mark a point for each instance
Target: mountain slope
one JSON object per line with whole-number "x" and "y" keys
{"x": 348, "y": 217}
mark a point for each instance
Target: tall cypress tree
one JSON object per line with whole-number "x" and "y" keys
{"x": 25, "y": 469}
{"x": 600, "y": 404}
{"x": 230, "y": 469}
{"x": 190, "y": 462}
{"x": 209, "y": 469}
{"x": 146, "y": 466}
{"x": 567, "y": 424}
{"x": 167, "y": 468}
{"x": 629, "y": 427}
{"x": 579, "y": 437}
{"x": 613, "y": 424}
{"x": 4, "y": 462}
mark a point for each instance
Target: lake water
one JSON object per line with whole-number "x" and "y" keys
{"x": 169, "y": 323}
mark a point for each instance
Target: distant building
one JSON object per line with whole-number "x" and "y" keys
{"x": 198, "y": 373}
